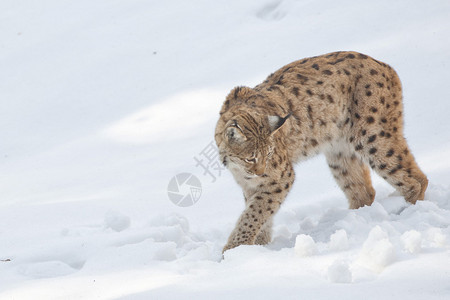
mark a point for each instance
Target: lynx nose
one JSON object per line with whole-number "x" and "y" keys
{"x": 259, "y": 173}
{"x": 259, "y": 169}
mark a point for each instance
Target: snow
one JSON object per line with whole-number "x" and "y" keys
{"x": 377, "y": 251}
{"x": 338, "y": 241}
{"x": 104, "y": 102}
{"x": 305, "y": 245}
{"x": 339, "y": 272}
{"x": 412, "y": 241}
{"x": 116, "y": 221}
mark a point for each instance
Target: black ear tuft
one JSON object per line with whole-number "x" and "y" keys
{"x": 275, "y": 122}
{"x": 240, "y": 93}
{"x": 236, "y": 92}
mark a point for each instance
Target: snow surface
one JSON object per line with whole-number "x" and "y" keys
{"x": 103, "y": 102}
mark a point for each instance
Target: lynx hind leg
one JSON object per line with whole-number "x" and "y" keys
{"x": 352, "y": 175}
{"x": 378, "y": 133}
{"x": 419, "y": 176}
{"x": 393, "y": 161}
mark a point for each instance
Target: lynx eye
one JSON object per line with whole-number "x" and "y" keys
{"x": 250, "y": 160}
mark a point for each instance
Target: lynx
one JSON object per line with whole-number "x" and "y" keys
{"x": 346, "y": 105}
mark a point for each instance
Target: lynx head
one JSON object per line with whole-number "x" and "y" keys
{"x": 246, "y": 140}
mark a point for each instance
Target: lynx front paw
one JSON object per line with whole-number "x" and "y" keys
{"x": 229, "y": 246}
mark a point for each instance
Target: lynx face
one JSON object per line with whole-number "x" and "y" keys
{"x": 247, "y": 142}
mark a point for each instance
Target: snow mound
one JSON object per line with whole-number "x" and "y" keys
{"x": 116, "y": 221}
{"x": 412, "y": 241}
{"x": 377, "y": 251}
{"x": 338, "y": 241}
{"x": 339, "y": 272}
{"x": 436, "y": 238}
{"x": 305, "y": 245}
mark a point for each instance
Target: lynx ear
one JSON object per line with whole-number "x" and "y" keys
{"x": 275, "y": 122}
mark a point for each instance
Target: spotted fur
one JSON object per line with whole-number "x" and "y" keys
{"x": 346, "y": 105}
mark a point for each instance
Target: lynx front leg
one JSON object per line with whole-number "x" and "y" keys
{"x": 258, "y": 212}
{"x": 265, "y": 234}
{"x": 254, "y": 224}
